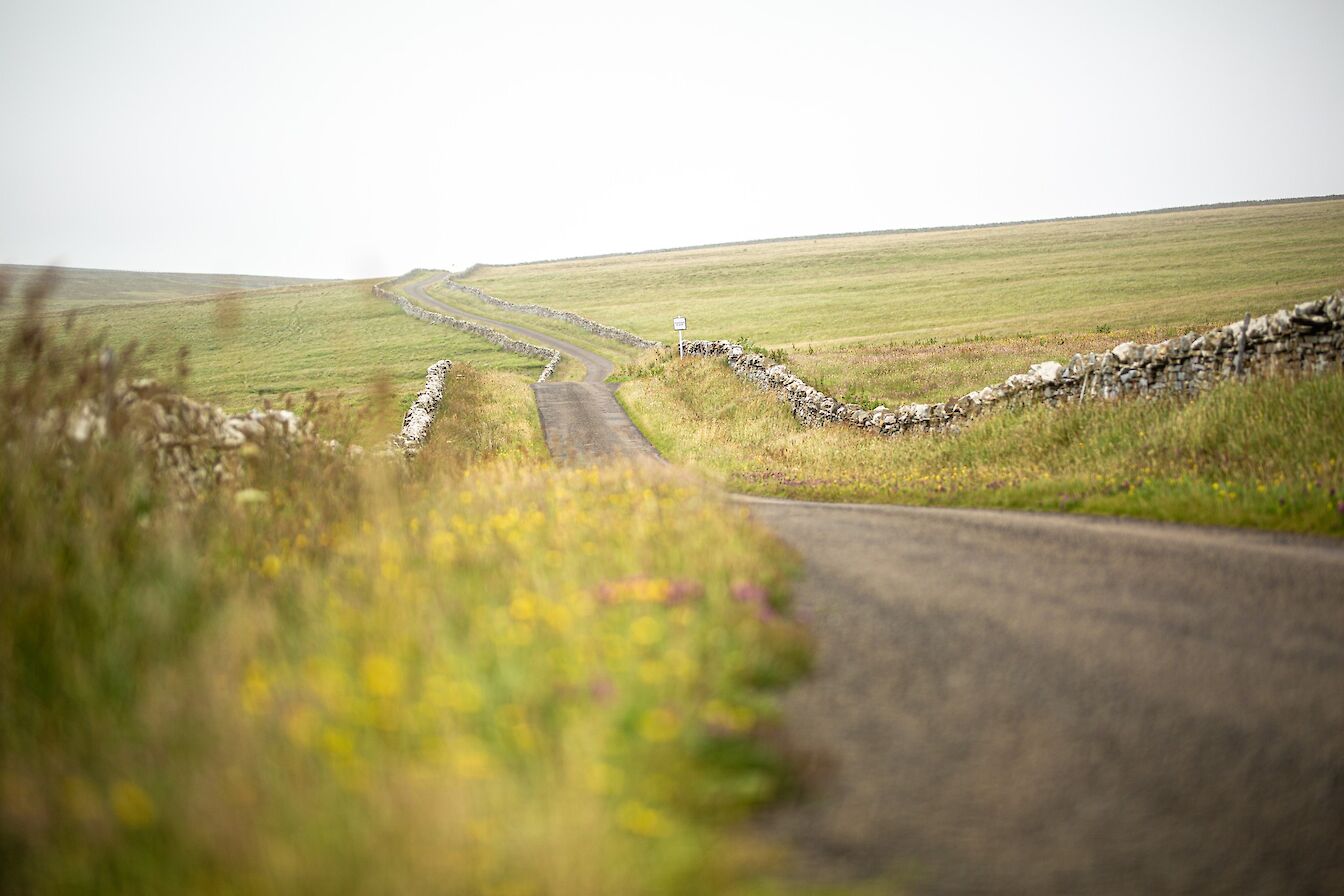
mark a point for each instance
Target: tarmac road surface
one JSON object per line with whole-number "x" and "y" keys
{"x": 582, "y": 421}
{"x": 1041, "y": 703}
{"x": 1046, "y": 703}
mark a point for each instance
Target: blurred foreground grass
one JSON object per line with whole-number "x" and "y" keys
{"x": 1267, "y": 453}
{"x": 479, "y": 674}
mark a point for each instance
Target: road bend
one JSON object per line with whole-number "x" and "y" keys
{"x": 1010, "y": 702}
{"x": 582, "y": 422}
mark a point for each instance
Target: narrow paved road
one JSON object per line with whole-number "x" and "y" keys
{"x": 1041, "y": 703}
{"x": 582, "y": 421}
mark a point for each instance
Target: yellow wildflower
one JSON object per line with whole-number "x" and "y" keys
{"x": 659, "y": 725}
{"x": 603, "y": 778}
{"x": 652, "y": 672}
{"x": 523, "y": 607}
{"x": 557, "y": 616}
{"x": 382, "y": 675}
{"x": 730, "y": 718}
{"x": 270, "y": 567}
{"x": 464, "y": 697}
{"x": 646, "y": 631}
{"x": 337, "y": 744}
{"x": 443, "y": 547}
{"x": 472, "y": 763}
{"x": 131, "y": 804}
{"x": 640, "y": 819}
{"x": 256, "y": 691}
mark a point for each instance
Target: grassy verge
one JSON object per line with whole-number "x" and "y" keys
{"x": 968, "y": 307}
{"x": 1266, "y": 453}
{"x": 481, "y": 674}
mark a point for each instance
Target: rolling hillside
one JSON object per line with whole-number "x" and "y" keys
{"x": 84, "y": 287}
{"x": 919, "y": 316}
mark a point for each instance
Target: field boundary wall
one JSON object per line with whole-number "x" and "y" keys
{"x": 1308, "y": 339}
{"x": 613, "y": 333}
{"x": 507, "y": 343}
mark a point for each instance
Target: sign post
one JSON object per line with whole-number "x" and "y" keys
{"x": 679, "y": 324}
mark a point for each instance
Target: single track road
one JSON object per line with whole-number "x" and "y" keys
{"x": 1016, "y": 702}
{"x": 582, "y": 421}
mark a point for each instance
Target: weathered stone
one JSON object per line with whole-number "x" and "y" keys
{"x": 1126, "y": 353}
{"x": 1048, "y": 371}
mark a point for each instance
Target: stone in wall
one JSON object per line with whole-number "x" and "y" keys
{"x": 194, "y": 445}
{"x": 420, "y": 418}
{"x": 1307, "y": 339}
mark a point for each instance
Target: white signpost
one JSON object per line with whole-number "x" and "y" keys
{"x": 679, "y": 324}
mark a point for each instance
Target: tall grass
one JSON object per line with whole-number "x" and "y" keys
{"x": 476, "y": 674}
{"x": 1265, "y": 453}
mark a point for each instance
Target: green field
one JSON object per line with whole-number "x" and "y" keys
{"x": 922, "y": 316}
{"x": 82, "y": 287}
{"x": 568, "y": 370}
{"x": 618, "y": 352}
{"x": 262, "y": 345}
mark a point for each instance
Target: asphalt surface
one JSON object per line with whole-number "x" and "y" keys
{"x": 1046, "y": 703}
{"x": 582, "y": 421}
{"x": 1039, "y": 703}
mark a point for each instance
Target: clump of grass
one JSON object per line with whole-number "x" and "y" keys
{"x": 750, "y": 346}
{"x": 1262, "y": 453}
{"x": 481, "y": 674}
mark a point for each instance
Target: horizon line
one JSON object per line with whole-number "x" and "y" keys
{"x": 1207, "y": 206}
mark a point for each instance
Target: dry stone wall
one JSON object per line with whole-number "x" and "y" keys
{"x": 416, "y": 425}
{"x": 194, "y": 445}
{"x": 507, "y": 343}
{"x": 1307, "y": 339}
{"x": 613, "y": 333}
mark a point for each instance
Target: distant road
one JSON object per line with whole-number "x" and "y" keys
{"x": 1047, "y": 703}
{"x": 582, "y": 421}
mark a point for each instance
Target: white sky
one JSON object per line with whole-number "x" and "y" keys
{"x": 361, "y": 138}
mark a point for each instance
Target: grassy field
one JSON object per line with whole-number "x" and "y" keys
{"x": 259, "y": 346}
{"x": 348, "y": 676}
{"x": 617, "y": 351}
{"x": 82, "y": 287}
{"x": 922, "y": 316}
{"x": 568, "y": 370}
{"x": 1264, "y": 454}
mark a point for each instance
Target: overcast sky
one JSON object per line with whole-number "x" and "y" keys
{"x": 363, "y": 138}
